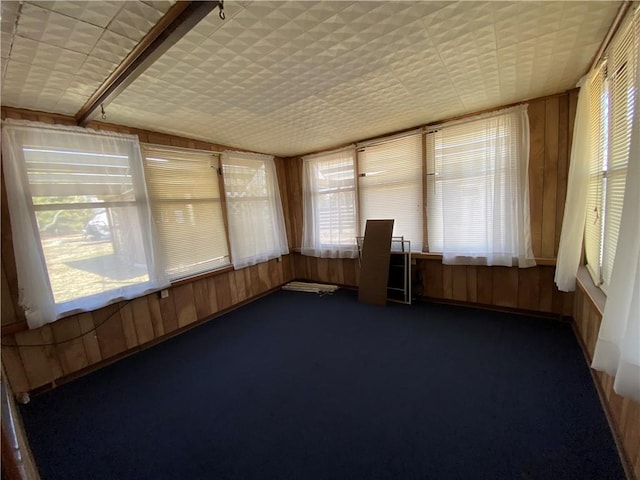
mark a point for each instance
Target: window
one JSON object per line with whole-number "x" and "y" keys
{"x": 613, "y": 96}
{"x": 254, "y": 209}
{"x": 478, "y": 190}
{"x": 184, "y": 194}
{"x": 82, "y": 229}
{"x": 390, "y": 184}
{"x": 329, "y": 196}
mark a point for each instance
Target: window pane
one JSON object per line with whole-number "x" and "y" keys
{"x": 91, "y": 251}
{"x": 185, "y": 200}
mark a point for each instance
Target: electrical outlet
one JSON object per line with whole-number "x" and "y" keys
{"x": 164, "y": 293}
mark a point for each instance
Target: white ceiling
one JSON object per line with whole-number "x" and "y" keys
{"x": 55, "y": 54}
{"x": 293, "y": 77}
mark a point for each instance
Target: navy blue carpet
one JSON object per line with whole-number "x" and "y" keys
{"x": 296, "y": 386}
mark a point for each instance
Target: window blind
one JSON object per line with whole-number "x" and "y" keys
{"x": 599, "y": 107}
{"x": 185, "y": 200}
{"x": 622, "y": 96}
{"x": 613, "y": 96}
{"x": 390, "y": 185}
{"x": 329, "y": 208}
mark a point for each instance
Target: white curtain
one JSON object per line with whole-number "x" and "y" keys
{"x": 82, "y": 230}
{"x": 329, "y": 210}
{"x": 618, "y": 346}
{"x": 575, "y": 207}
{"x": 254, "y": 209}
{"x": 478, "y": 195}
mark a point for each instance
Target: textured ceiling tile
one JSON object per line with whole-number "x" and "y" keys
{"x": 96, "y": 13}
{"x": 82, "y": 86}
{"x": 161, "y": 5}
{"x": 96, "y": 68}
{"x": 33, "y": 21}
{"x": 9, "y": 11}
{"x": 69, "y": 103}
{"x": 6, "y": 41}
{"x": 292, "y": 77}
{"x": 134, "y": 20}
{"x": 46, "y": 56}
{"x": 529, "y": 20}
{"x": 56, "y": 29}
{"x": 15, "y": 75}
{"x": 112, "y": 47}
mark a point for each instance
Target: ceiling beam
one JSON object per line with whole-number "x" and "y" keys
{"x": 177, "y": 22}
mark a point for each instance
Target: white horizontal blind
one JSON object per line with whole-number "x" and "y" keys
{"x": 614, "y": 93}
{"x": 390, "y": 186}
{"x": 254, "y": 209}
{"x": 185, "y": 199}
{"x": 599, "y": 108}
{"x": 622, "y": 96}
{"x": 477, "y": 190}
{"x": 329, "y": 208}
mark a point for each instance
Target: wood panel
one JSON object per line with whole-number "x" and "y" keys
{"x": 550, "y": 176}
{"x": 294, "y": 184}
{"x": 89, "y": 338}
{"x": 537, "y": 117}
{"x": 529, "y": 289}
{"x": 495, "y": 286}
{"x": 11, "y": 313}
{"x": 623, "y": 413}
{"x": 338, "y": 271}
{"x": 71, "y": 351}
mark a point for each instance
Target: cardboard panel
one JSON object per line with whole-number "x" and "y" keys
{"x": 376, "y": 252}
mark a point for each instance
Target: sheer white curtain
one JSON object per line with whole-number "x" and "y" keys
{"x": 80, "y": 220}
{"x": 575, "y": 207}
{"x": 254, "y": 209}
{"x": 329, "y": 209}
{"x": 478, "y": 190}
{"x": 618, "y": 346}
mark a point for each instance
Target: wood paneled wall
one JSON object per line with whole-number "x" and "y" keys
{"x": 623, "y": 413}
{"x": 551, "y": 130}
{"x": 34, "y": 358}
{"x": 529, "y": 289}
